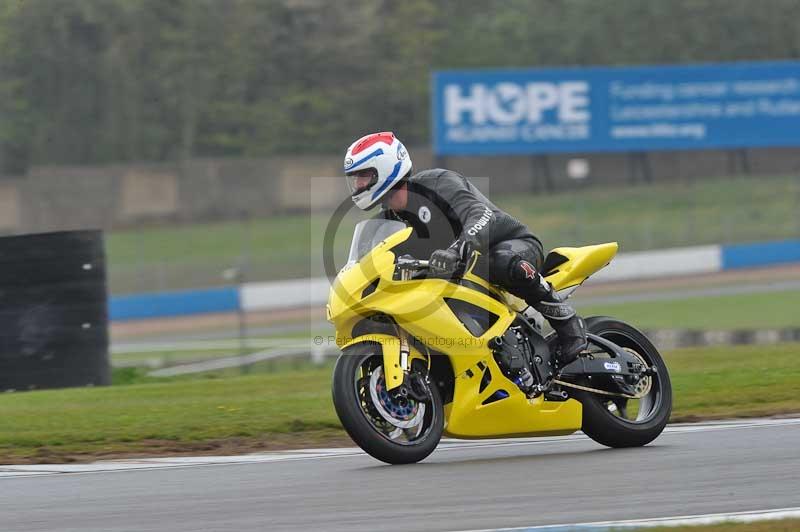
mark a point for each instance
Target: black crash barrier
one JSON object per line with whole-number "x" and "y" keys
{"x": 53, "y": 311}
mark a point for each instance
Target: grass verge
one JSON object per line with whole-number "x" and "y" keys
{"x": 783, "y": 525}
{"x": 745, "y": 311}
{"x": 292, "y": 408}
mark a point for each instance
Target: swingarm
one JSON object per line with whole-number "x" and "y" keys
{"x": 625, "y": 370}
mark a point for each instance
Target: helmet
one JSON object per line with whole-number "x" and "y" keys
{"x": 384, "y": 157}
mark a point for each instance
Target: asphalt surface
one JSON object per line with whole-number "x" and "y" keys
{"x": 690, "y": 469}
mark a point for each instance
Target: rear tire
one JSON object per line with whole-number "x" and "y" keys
{"x": 599, "y": 422}
{"x": 350, "y": 409}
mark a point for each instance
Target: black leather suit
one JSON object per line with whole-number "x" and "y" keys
{"x": 444, "y": 206}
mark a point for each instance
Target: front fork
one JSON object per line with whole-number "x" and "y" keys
{"x": 405, "y": 365}
{"x": 413, "y": 384}
{"x": 398, "y": 355}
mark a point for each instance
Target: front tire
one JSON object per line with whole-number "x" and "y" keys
{"x": 377, "y": 427}
{"x": 602, "y": 420}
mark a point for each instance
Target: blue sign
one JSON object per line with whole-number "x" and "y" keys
{"x": 733, "y": 105}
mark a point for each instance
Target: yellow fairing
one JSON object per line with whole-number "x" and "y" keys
{"x": 345, "y": 301}
{"x": 516, "y": 415}
{"x": 582, "y": 262}
{"x": 419, "y": 308}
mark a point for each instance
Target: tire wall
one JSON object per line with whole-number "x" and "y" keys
{"x": 53, "y": 311}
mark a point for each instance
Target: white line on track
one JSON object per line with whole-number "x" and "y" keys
{"x": 684, "y": 520}
{"x": 315, "y": 454}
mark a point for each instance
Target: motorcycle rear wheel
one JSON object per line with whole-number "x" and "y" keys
{"x": 392, "y": 430}
{"x": 606, "y": 420}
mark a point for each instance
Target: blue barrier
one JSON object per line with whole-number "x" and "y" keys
{"x": 760, "y": 254}
{"x": 184, "y": 303}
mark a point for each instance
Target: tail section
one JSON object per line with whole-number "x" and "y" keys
{"x": 569, "y": 267}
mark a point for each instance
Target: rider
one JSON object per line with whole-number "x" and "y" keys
{"x": 456, "y": 218}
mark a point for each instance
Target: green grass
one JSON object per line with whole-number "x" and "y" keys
{"x": 783, "y": 525}
{"x": 294, "y": 405}
{"x": 743, "y": 311}
{"x": 118, "y": 418}
{"x": 165, "y": 258}
{"x": 639, "y": 217}
{"x": 666, "y": 215}
{"x": 735, "y": 381}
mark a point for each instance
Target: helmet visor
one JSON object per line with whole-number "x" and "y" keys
{"x": 361, "y": 180}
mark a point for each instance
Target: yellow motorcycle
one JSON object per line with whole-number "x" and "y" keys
{"x": 424, "y": 355}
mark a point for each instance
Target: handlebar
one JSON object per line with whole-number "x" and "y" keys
{"x": 408, "y": 262}
{"x": 408, "y": 265}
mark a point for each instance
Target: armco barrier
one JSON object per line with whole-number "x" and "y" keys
{"x": 298, "y": 293}
{"x": 661, "y": 263}
{"x": 293, "y": 293}
{"x": 165, "y": 304}
{"x": 760, "y": 254}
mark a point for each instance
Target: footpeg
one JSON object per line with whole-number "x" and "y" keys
{"x": 556, "y": 395}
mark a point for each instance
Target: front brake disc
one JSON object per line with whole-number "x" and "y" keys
{"x": 400, "y": 415}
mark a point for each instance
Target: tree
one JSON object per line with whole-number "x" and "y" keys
{"x": 94, "y": 81}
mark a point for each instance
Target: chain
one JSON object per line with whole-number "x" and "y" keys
{"x": 595, "y": 390}
{"x": 643, "y": 390}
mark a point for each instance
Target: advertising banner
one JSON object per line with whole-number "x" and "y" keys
{"x": 593, "y": 109}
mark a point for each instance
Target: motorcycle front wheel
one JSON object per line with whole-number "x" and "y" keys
{"x": 389, "y": 426}
{"x": 621, "y": 422}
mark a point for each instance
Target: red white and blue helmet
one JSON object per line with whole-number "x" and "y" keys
{"x": 385, "y": 155}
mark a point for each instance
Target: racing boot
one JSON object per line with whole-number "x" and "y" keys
{"x": 569, "y": 327}
{"x": 538, "y": 293}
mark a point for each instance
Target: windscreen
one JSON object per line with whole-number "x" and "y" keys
{"x": 369, "y": 234}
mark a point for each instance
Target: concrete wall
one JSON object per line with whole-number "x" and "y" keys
{"x": 104, "y": 197}
{"x": 64, "y": 197}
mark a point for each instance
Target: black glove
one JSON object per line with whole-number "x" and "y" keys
{"x": 452, "y": 260}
